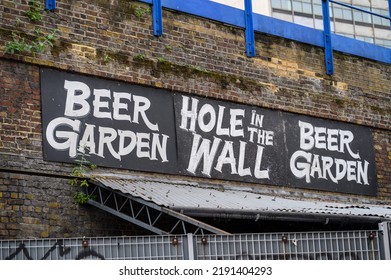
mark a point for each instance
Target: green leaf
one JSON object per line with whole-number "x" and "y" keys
{"x": 74, "y": 182}
{"x": 84, "y": 183}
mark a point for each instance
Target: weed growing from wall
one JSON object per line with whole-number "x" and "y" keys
{"x": 162, "y": 59}
{"x": 83, "y": 166}
{"x": 34, "y": 44}
{"x": 140, "y": 56}
{"x": 35, "y": 11}
{"x": 140, "y": 12}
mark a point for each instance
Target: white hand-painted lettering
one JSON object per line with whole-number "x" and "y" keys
{"x": 70, "y": 136}
{"x": 119, "y": 106}
{"x": 263, "y": 137}
{"x": 258, "y": 173}
{"x": 66, "y": 133}
{"x": 119, "y": 143}
{"x": 99, "y": 104}
{"x": 326, "y": 139}
{"x": 224, "y": 154}
{"x": 205, "y": 118}
{"x": 307, "y": 165}
{"x": 77, "y": 105}
{"x": 256, "y": 119}
{"x": 242, "y": 171}
{"x": 205, "y": 151}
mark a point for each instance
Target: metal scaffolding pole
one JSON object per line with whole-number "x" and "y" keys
{"x": 385, "y": 227}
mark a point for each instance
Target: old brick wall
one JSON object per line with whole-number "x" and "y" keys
{"x": 113, "y": 39}
{"x": 33, "y": 206}
{"x": 36, "y": 199}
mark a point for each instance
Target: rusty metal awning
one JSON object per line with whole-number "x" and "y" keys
{"x": 145, "y": 201}
{"x": 116, "y": 196}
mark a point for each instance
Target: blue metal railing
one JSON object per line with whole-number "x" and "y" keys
{"x": 361, "y": 10}
{"x": 248, "y": 20}
{"x": 328, "y": 48}
{"x": 157, "y": 18}
{"x": 50, "y": 5}
{"x": 250, "y": 37}
{"x": 389, "y": 10}
{"x": 329, "y": 63}
{"x": 258, "y": 23}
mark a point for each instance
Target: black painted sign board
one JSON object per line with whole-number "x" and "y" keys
{"x": 117, "y": 124}
{"x": 229, "y": 141}
{"x": 330, "y": 155}
{"x": 126, "y": 126}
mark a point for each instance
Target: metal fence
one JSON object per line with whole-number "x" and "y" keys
{"x": 161, "y": 247}
{"x": 336, "y": 245}
{"x": 346, "y": 245}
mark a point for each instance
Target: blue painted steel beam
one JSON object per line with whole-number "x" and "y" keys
{"x": 157, "y": 18}
{"x": 50, "y": 5}
{"x": 250, "y": 37}
{"x": 328, "y": 47}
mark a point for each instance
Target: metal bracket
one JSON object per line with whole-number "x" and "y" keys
{"x": 50, "y": 5}
{"x": 328, "y": 48}
{"x": 249, "y": 32}
{"x": 148, "y": 215}
{"x": 157, "y": 18}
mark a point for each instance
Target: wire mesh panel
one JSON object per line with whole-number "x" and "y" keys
{"x": 109, "y": 248}
{"x": 347, "y": 245}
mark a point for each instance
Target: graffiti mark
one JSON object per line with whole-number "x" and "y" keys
{"x": 21, "y": 247}
{"x": 62, "y": 250}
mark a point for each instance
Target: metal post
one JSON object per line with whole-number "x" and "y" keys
{"x": 190, "y": 246}
{"x": 389, "y": 9}
{"x": 385, "y": 227}
{"x": 328, "y": 48}
{"x": 51, "y": 5}
{"x": 250, "y": 38}
{"x": 157, "y": 18}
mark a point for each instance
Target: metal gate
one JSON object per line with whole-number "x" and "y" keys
{"x": 334, "y": 245}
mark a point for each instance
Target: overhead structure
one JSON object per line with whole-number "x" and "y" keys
{"x": 170, "y": 207}
{"x": 108, "y": 195}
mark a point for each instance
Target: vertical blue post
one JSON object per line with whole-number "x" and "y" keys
{"x": 250, "y": 38}
{"x": 389, "y": 9}
{"x": 157, "y": 18}
{"x": 51, "y": 5}
{"x": 328, "y": 47}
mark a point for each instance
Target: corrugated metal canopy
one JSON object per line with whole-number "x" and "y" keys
{"x": 193, "y": 197}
